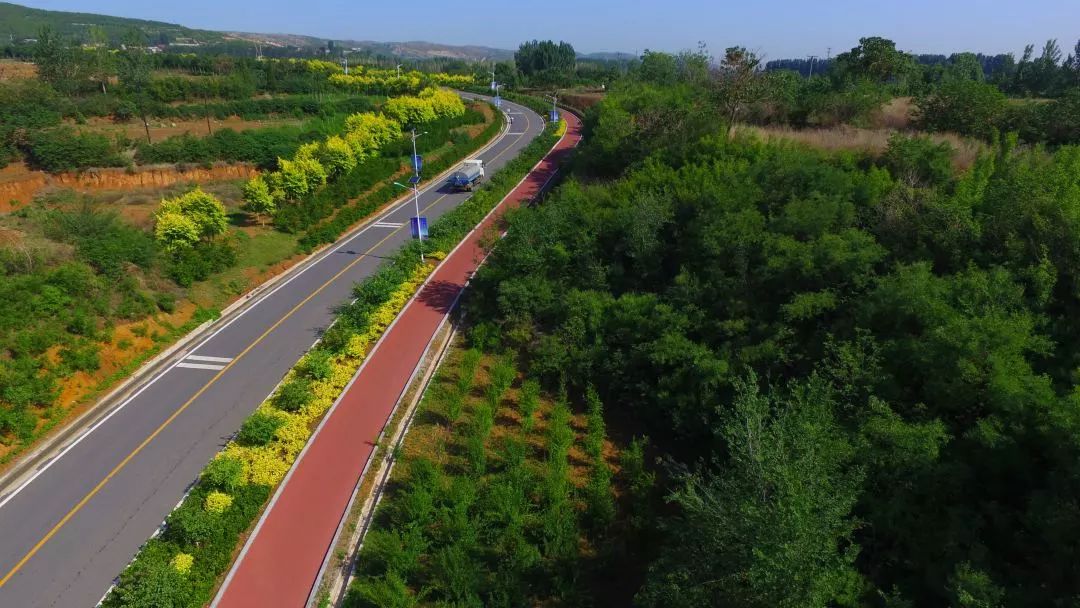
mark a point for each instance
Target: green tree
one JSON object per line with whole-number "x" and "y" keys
{"x": 544, "y": 62}
{"x": 102, "y": 66}
{"x": 58, "y": 61}
{"x": 175, "y": 231}
{"x": 962, "y": 106}
{"x": 336, "y": 156}
{"x": 205, "y": 210}
{"x": 257, "y": 198}
{"x": 972, "y": 588}
{"x": 773, "y": 528}
{"x": 738, "y": 83}
{"x": 133, "y": 71}
{"x": 876, "y": 59}
{"x": 183, "y": 221}
{"x": 965, "y": 66}
{"x": 658, "y": 68}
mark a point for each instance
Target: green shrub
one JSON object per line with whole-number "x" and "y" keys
{"x": 919, "y": 159}
{"x": 166, "y": 302}
{"x": 83, "y": 358}
{"x": 198, "y": 263}
{"x": 223, "y": 473}
{"x": 102, "y": 239}
{"x": 317, "y": 364}
{"x": 156, "y": 585}
{"x": 293, "y": 395}
{"x": 65, "y": 149}
{"x": 191, "y": 525}
{"x": 259, "y": 428}
{"x": 19, "y": 421}
{"x": 967, "y": 107}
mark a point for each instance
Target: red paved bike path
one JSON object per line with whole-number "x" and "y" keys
{"x": 282, "y": 562}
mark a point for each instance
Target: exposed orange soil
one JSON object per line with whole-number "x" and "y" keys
{"x": 19, "y": 185}
{"x": 129, "y": 341}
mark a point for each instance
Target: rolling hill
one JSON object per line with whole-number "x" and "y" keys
{"x": 20, "y": 23}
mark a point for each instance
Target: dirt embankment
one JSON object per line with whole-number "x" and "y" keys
{"x": 19, "y": 185}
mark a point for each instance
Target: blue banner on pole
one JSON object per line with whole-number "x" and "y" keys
{"x": 418, "y": 163}
{"x": 554, "y": 114}
{"x": 420, "y": 232}
{"x": 493, "y": 85}
{"x": 498, "y": 102}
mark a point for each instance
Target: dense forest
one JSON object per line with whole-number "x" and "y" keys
{"x": 858, "y": 374}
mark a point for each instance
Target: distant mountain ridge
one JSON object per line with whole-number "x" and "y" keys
{"x": 21, "y": 23}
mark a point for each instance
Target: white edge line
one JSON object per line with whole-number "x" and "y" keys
{"x": 404, "y": 201}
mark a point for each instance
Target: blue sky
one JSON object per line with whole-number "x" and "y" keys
{"x": 774, "y": 28}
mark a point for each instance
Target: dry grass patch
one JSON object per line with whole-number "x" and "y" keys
{"x": 872, "y": 142}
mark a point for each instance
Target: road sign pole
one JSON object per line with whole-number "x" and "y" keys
{"x": 419, "y": 227}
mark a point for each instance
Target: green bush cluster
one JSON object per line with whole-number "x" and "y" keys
{"x": 66, "y": 305}
{"x": 67, "y": 149}
{"x": 259, "y": 146}
{"x": 501, "y": 523}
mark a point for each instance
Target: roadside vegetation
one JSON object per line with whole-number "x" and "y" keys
{"x": 857, "y": 370}
{"x": 111, "y": 285}
{"x": 182, "y": 566}
{"x": 505, "y": 495}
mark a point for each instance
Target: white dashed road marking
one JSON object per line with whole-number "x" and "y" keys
{"x": 212, "y": 359}
{"x": 211, "y": 362}
{"x": 200, "y": 366}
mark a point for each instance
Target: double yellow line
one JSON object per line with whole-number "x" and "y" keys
{"x": 123, "y": 463}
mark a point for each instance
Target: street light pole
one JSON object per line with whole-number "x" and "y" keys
{"x": 416, "y": 168}
{"x": 419, "y": 228}
{"x": 416, "y": 192}
{"x": 398, "y": 70}
{"x": 416, "y": 204}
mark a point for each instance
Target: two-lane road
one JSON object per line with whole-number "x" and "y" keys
{"x": 66, "y": 532}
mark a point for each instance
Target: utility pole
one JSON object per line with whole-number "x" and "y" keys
{"x": 828, "y": 53}
{"x": 812, "y": 59}
{"x": 416, "y": 192}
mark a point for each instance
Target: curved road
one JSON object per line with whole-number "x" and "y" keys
{"x": 70, "y": 528}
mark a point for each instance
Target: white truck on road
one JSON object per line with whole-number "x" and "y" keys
{"x": 470, "y": 174}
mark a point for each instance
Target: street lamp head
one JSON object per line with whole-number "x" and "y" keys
{"x": 402, "y": 185}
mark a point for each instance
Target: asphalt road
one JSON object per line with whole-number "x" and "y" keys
{"x": 305, "y": 512}
{"x": 69, "y": 532}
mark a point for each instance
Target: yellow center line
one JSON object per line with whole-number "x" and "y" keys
{"x": 123, "y": 463}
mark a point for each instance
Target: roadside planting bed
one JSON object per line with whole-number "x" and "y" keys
{"x": 183, "y": 565}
